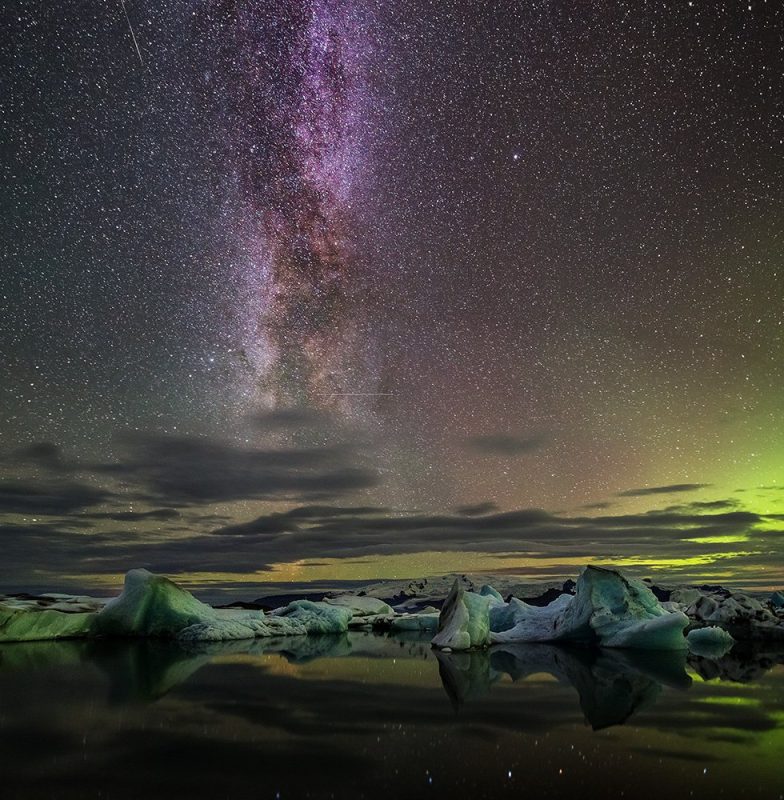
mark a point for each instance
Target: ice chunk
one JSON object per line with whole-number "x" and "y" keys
{"x": 360, "y": 606}
{"x": 622, "y": 612}
{"x": 151, "y": 605}
{"x": 316, "y": 617}
{"x": 19, "y": 624}
{"x": 154, "y": 606}
{"x": 519, "y": 622}
{"x": 427, "y": 622}
{"x": 777, "y": 600}
{"x": 737, "y": 609}
{"x": 224, "y": 628}
{"x": 71, "y": 602}
{"x": 489, "y": 591}
{"x": 607, "y": 609}
{"x": 710, "y": 642}
{"x": 464, "y": 620}
{"x": 685, "y": 596}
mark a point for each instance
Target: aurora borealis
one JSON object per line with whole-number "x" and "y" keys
{"x": 324, "y": 290}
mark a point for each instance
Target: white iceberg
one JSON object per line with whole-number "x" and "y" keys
{"x": 464, "y": 621}
{"x": 517, "y": 621}
{"x": 607, "y": 609}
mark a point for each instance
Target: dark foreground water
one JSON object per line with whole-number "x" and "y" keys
{"x": 370, "y": 716}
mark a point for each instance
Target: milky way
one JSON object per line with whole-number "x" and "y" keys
{"x": 293, "y": 96}
{"x": 528, "y": 254}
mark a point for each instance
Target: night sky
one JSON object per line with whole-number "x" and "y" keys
{"x": 329, "y": 290}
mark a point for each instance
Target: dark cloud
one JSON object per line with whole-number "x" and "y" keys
{"x": 191, "y": 470}
{"x": 292, "y": 419}
{"x": 272, "y": 523}
{"x": 672, "y": 517}
{"x": 529, "y": 532}
{"x": 712, "y": 505}
{"x": 674, "y": 488}
{"x": 47, "y": 498}
{"x": 193, "y": 516}
{"x": 292, "y": 520}
{"x": 505, "y": 445}
{"x": 158, "y": 514}
{"x": 41, "y": 454}
{"x": 110, "y": 553}
{"x": 325, "y": 512}
{"x": 182, "y": 474}
{"x": 320, "y": 532}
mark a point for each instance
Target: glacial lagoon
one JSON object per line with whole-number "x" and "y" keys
{"x": 367, "y": 715}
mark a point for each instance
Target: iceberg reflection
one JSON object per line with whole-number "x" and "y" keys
{"x": 611, "y": 684}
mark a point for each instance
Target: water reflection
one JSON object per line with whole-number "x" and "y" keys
{"x": 381, "y": 716}
{"x": 611, "y": 684}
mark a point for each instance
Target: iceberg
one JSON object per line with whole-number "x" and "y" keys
{"x": 517, "y": 621}
{"x": 150, "y": 605}
{"x": 423, "y": 621}
{"x": 710, "y": 642}
{"x": 156, "y": 607}
{"x": 464, "y": 622}
{"x": 621, "y": 612}
{"x": 36, "y": 624}
{"x": 607, "y": 609}
{"x": 315, "y": 617}
{"x": 360, "y": 605}
{"x": 493, "y": 594}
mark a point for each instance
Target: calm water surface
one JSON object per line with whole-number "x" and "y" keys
{"x": 370, "y": 716}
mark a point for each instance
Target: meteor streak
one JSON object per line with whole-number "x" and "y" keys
{"x": 133, "y": 35}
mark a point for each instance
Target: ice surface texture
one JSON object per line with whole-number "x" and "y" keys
{"x": 154, "y": 606}
{"x": 32, "y": 624}
{"x": 360, "y": 606}
{"x": 464, "y": 622}
{"x": 710, "y": 642}
{"x": 607, "y": 609}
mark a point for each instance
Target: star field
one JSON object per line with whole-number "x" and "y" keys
{"x": 509, "y": 255}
